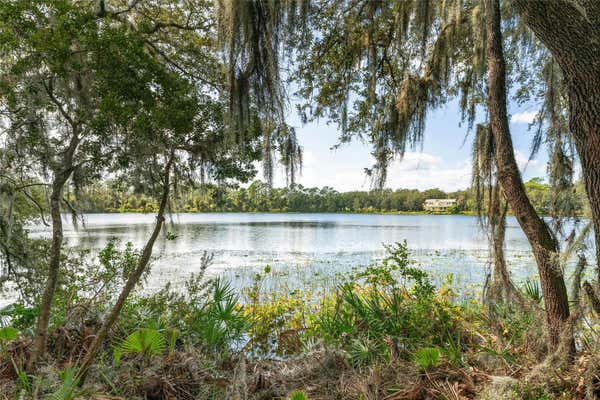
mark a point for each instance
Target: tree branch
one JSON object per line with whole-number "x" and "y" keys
{"x": 38, "y": 205}
{"x": 569, "y": 31}
{"x": 50, "y": 91}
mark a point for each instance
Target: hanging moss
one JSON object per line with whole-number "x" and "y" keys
{"x": 483, "y": 179}
{"x": 252, "y": 34}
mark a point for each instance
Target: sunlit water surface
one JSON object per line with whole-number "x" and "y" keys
{"x": 304, "y": 249}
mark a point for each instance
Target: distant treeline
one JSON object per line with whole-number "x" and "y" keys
{"x": 258, "y": 197}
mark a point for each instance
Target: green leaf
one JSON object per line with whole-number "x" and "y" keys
{"x": 427, "y": 357}
{"x": 68, "y": 389}
{"x": 145, "y": 341}
{"x": 298, "y": 395}
{"x": 533, "y": 291}
{"x": 8, "y": 334}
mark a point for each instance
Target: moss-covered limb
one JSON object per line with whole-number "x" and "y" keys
{"x": 592, "y": 296}
{"x": 543, "y": 243}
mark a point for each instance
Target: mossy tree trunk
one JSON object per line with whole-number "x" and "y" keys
{"x": 502, "y": 288}
{"x": 543, "y": 243}
{"x": 571, "y": 31}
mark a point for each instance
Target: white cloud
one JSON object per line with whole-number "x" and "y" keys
{"x": 332, "y": 173}
{"x": 415, "y": 171}
{"x": 413, "y": 161}
{"x": 428, "y": 172}
{"x": 525, "y": 117}
{"x": 524, "y": 162}
{"x": 529, "y": 168}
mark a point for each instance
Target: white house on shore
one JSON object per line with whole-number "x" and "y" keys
{"x": 438, "y": 205}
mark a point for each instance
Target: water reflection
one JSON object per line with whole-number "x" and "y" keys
{"x": 302, "y": 246}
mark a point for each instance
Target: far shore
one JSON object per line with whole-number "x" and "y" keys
{"x": 136, "y": 211}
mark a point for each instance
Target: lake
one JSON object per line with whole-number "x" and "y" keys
{"x": 304, "y": 249}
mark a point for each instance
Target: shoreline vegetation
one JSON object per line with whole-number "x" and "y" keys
{"x": 258, "y": 197}
{"x": 385, "y": 331}
{"x": 366, "y": 212}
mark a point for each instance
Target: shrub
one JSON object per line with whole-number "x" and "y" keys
{"x": 219, "y": 323}
{"x": 298, "y": 395}
{"x": 8, "y": 334}
{"x": 278, "y": 315}
{"x": 145, "y": 342}
{"x": 364, "y": 352}
{"x": 395, "y": 312}
{"x": 68, "y": 389}
{"x": 427, "y": 358}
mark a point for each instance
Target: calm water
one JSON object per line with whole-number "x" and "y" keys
{"x": 304, "y": 248}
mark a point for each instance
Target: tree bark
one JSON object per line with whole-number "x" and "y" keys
{"x": 576, "y": 284}
{"x": 132, "y": 280}
{"x": 502, "y": 288}
{"x": 592, "y": 296}
{"x": 571, "y": 31}
{"x": 543, "y": 243}
{"x": 61, "y": 176}
{"x": 39, "y": 342}
{"x": 585, "y": 126}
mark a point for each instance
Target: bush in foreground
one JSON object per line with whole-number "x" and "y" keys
{"x": 383, "y": 332}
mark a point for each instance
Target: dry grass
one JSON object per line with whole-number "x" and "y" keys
{"x": 323, "y": 374}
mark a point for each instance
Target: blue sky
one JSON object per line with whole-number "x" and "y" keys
{"x": 443, "y": 162}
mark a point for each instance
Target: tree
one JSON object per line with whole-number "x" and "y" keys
{"x": 377, "y": 68}
{"x": 456, "y": 54}
{"x": 156, "y": 142}
{"x": 51, "y": 100}
{"x": 571, "y": 31}
{"x": 491, "y": 209}
{"x": 93, "y": 90}
{"x": 75, "y": 87}
{"x": 543, "y": 243}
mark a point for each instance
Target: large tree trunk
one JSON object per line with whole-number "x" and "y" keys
{"x": 543, "y": 243}
{"x": 585, "y": 125}
{"x": 132, "y": 280}
{"x": 571, "y": 31}
{"x": 592, "y": 296}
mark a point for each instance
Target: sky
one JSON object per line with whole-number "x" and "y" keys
{"x": 443, "y": 162}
